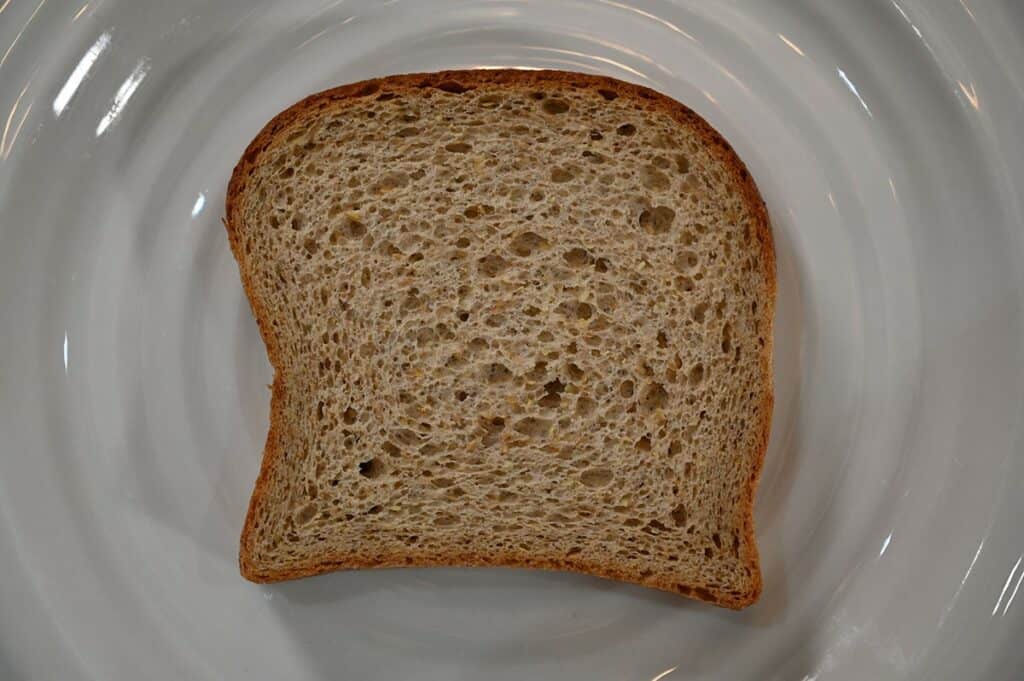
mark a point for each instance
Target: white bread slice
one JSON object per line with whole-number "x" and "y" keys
{"x": 516, "y": 318}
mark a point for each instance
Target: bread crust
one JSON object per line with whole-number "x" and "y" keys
{"x": 643, "y": 98}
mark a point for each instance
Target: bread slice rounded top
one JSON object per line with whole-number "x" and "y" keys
{"x": 516, "y": 318}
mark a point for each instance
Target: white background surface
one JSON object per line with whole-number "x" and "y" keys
{"x": 886, "y": 139}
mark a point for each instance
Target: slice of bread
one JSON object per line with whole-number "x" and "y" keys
{"x": 517, "y": 318}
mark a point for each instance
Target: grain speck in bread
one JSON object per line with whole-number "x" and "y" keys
{"x": 516, "y": 318}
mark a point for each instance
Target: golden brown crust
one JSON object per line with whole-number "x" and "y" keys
{"x": 456, "y": 81}
{"x": 325, "y": 564}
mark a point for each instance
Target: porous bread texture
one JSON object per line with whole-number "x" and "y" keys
{"x": 516, "y": 318}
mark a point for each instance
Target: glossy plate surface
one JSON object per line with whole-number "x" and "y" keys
{"x": 885, "y": 136}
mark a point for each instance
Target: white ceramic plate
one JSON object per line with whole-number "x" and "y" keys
{"x": 886, "y": 138}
